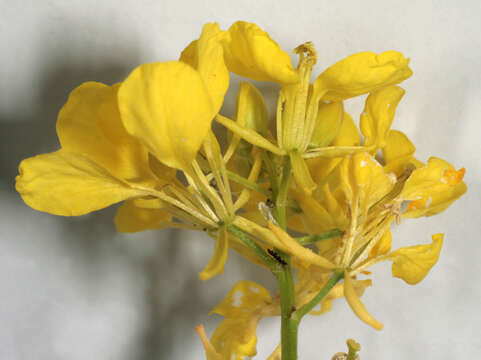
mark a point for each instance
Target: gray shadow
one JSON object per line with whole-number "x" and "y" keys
{"x": 92, "y": 238}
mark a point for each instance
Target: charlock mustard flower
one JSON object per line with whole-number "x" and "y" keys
{"x": 148, "y": 141}
{"x": 127, "y": 142}
{"x": 372, "y": 200}
{"x": 304, "y": 107}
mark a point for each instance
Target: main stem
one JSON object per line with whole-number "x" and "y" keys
{"x": 284, "y": 274}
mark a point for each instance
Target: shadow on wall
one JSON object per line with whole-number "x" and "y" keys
{"x": 65, "y": 64}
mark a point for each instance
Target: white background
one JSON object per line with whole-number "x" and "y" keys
{"x": 71, "y": 288}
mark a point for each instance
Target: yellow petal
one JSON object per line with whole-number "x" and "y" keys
{"x": 301, "y": 173}
{"x": 163, "y": 173}
{"x": 356, "y": 305}
{"x": 131, "y": 218}
{"x": 348, "y": 135}
{"x": 217, "y": 262}
{"x": 437, "y": 177}
{"x": 69, "y": 184}
{"x": 190, "y": 54}
{"x": 251, "y": 114}
{"x": 206, "y": 55}
{"x": 210, "y": 352}
{"x": 167, "y": 107}
{"x": 336, "y": 209}
{"x": 378, "y": 115}
{"x": 316, "y": 215}
{"x": 89, "y": 123}
{"x": 236, "y": 338}
{"x": 250, "y": 52}
{"x": 362, "y": 73}
{"x": 398, "y": 152}
{"x": 328, "y": 123}
{"x": 436, "y": 203}
{"x": 244, "y": 298}
{"x": 412, "y": 263}
{"x": 251, "y": 108}
{"x": 364, "y": 177}
{"x": 298, "y": 250}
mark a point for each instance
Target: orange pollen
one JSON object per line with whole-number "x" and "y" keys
{"x": 453, "y": 177}
{"x": 366, "y": 272}
{"x": 416, "y": 204}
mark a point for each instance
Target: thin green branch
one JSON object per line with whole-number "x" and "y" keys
{"x": 270, "y": 262}
{"x": 335, "y": 277}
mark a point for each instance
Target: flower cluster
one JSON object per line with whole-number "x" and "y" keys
{"x": 308, "y": 191}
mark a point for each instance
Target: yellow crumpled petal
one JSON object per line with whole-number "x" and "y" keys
{"x": 168, "y": 108}
{"x": 244, "y": 298}
{"x": 356, "y": 305}
{"x": 206, "y": 55}
{"x": 361, "y": 73}
{"x": 412, "y": 263}
{"x": 378, "y": 115}
{"x": 131, "y": 219}
{"x": 250, "y": 52}
{"x": 398, "y": 152}
{"x": 362, "y": 176}
{"x": 89, "y": 123}
{"x": 437, "y": 177}
{"x": 218, "y": 260}
{"x": 235, "y": 338}
{"x": 69, "y": 184}
{"x": 328, "y": 123}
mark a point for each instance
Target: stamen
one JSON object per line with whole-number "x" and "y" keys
{"x": 208, "y": 191}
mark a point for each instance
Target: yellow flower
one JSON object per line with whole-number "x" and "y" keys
{"x": 126, "y": 142}
{"x": 306, "y": 120}
{"x": 374, "y": 201}
{"x": 149, "y": 141}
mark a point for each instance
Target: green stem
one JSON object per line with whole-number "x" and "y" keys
{"x": 312, "y": 239}
{"x": 285, "y": 278}
{"x": 336, "y": 276}
{"x": 288, "y": 326}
